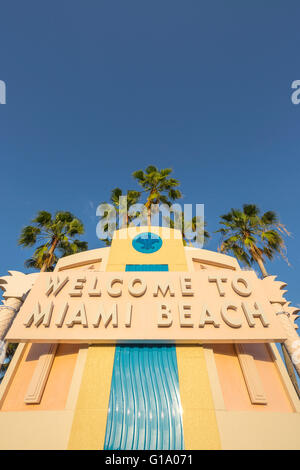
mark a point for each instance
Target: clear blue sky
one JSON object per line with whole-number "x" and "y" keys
{"x": 98, "y": 89}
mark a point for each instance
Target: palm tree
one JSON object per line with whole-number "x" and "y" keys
{"x": 194, "y": 224}
{"x": 132, "y": 198}
{"x": 252, "y": 237}
{"x": 159, "y": 186}
{"x": 55, "y": 234}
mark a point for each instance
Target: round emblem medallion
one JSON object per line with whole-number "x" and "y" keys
{"x": 147, "y": 242}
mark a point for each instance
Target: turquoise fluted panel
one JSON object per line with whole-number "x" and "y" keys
{"x": 144, "y": 407}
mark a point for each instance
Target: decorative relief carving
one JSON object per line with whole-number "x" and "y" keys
{"x": 40, "y": 376}
{"x": 252, "y": 379}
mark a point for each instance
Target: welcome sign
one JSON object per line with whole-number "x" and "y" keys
{"x": 97, "y": 307}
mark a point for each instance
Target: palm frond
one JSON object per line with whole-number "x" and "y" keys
{"x": 251, "y": 237}
{"x": 29, "y": 235}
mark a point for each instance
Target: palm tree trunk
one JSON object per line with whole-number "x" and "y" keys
{"x": 290, "y": 368}
{"x": 255, "y": 255}
{"x": 47, "y": 263}
{"x": 148, "y": 207}
{"x": 261, "y": 266}
{"x": 44, "y": 267}
{"x": 149, "y": 217}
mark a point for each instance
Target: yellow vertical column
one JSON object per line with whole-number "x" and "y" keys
{"x": 200, "y": 427}
{"x": 89, "y": 423}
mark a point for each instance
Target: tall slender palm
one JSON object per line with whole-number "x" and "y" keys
{"x": 253, "y": 238}
{"x": 55, "y": 235}
{"x": 160, "y": 188}
{"x": 132, "y": 198}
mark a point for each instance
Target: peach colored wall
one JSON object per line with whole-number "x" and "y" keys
{"x": 58, "y": 383}
{"x": 233, "y": 384}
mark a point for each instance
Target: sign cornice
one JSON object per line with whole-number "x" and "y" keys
{"x": 93, "y": 307}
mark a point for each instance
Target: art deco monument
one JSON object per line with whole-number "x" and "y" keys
{"x": 147, "y": 344}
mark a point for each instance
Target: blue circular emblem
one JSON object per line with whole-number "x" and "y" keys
{"x": 147, "y": 242}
